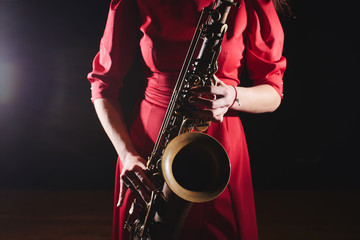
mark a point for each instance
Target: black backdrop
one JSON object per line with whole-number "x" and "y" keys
{"x": 50, "y": 137}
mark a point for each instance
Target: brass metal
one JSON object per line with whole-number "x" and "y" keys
{"x": 196, "y": 167}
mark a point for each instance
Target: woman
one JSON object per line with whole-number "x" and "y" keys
{"x": 162, "y": 30}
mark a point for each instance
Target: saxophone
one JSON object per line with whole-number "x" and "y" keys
{"x": 187, "y": 165}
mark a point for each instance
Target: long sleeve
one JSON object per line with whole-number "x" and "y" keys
{"x": 117, "y": 50}
{"x": 264, "y": 44}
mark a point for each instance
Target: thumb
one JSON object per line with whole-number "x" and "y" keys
{"x": 122, "y": 193}
{"x": 217, "y": 80}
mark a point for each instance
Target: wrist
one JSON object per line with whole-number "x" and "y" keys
{"x": 130, "y": 158}
{"x": 236, "y": 101}
{"x": 128, "y": 153}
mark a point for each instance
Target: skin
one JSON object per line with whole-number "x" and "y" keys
{"x": 257, "y": 99}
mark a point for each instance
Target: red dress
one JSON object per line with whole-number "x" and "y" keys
{"x": 254, "y": 39}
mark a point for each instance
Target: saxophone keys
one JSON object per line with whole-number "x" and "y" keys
{"x": 131, "y": 211}
{"x": 143, "y": 229}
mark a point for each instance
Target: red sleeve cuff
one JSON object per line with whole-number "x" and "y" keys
{"x": 100, "y": 89}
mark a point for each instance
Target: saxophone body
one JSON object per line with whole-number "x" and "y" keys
{"x": 187, "y": 165}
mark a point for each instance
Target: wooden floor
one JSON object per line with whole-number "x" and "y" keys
{"x": 308, "y": 214}
{"x": 87, "y": 215}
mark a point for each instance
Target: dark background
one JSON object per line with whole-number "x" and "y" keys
{"x": 50, "y": 137}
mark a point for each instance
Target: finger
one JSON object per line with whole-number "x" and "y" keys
{"x": 139, "y": 187}
{"x": 206, "y": 90}
{"x": 225, "y": 95}
{"x": 218, "y": 118}
{"x": 122, "y": 193}
{"x": 198, "y": 90}
{"x": 216, "y": 79}
{"x": 219, "y": 111}
{"x": 218, "y": 82}
{"x": 134, "y": 189}
{"x": 203, "y": 115}
{"x": 214, "y": 115}
{"x": 209, "y": 103}
{"x": 143, "y": 178}
{"x": 218, "y": 114}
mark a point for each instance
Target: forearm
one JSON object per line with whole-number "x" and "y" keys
{"x": 257, "y": 99}
{"x": 133, "y": 174}
{"x": 112, "y": 120}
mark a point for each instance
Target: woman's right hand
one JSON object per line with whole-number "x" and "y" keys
{"x": 134, "y": 178}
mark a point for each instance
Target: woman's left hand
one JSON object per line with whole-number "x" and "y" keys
{"x": 212, "y": 102}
